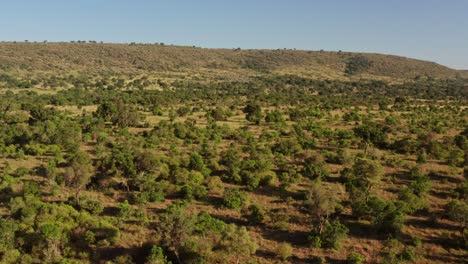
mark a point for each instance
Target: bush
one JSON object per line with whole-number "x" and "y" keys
{"x": 94, "y": 207}
{"x": 156, "y": 256}
{"x": 357, "y": 64}
{"x": 284, "y": 251}
{"x": 315, "y": 168}
{"x": 124, "y": 210}
{"x": 391, "y": 219}
{"x": 235, "y": 198}
{"x": 193, "y": 191}
{"x": 215, "y": 184}
{"x": 355, "y": 258}
{"x": 333, "y": 234}
{"x": 255, "y": 215}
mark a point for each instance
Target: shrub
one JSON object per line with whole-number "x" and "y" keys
{"x": 255, "y": 215}
{"x": 315, "y": 168}
{"x": 156, "y": 256}
{"x": 215, "y": 184}
{"x": 124, "y": 210}
{"x": 391, "y": 219}
{"x": 235, "y": 198}
{"x": 357, "y": 64}
{"x": 333, "y": 234}
{"x": 355, "y": 258}
{"x": 95, "y": 207}
{"x": 284, "y": 251}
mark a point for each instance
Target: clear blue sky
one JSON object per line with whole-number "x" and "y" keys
{"x": 435, "y": 30}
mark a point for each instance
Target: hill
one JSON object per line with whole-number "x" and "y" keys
{"x": 136, "y": 58}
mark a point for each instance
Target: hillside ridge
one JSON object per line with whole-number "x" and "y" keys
{"x": 136, "y": 58}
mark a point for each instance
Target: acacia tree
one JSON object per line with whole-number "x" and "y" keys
{"x": 118, "y": 113}
{"x": 79, "y": 173}
{"x": 315, "y": 167}
{"x": 236, "y": 241}
{"x": 457, "y": 211}
{"x": 253, "y": 112}
{"x": 366, "y": 173}
{"x": 321, "y": 204}
{"x": 175, "y": 227}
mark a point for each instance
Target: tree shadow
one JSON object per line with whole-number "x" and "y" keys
{"x": 276, "y": 191}
{"x": 361, "y": 230}
{"x": 296, "y": 238}
{"x": 138, "y": 254}
{"x": 230, "y": 219}
{"x": 438, "y": 176}
{"x": 440, "y": 194}
{"x": 110, "y": 211}
{"x": 265, "y": 254}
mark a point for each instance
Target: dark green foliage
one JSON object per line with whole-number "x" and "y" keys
{"x": 253, "y": 112}
{"x": 255, "y": 215}
{"x": 205, "y": 224}
{"x": 118, "y": 113}
{"x": 357, "y": 64}
{"x": 175, "y": 227}
{"x": 218, "y": 114}
{"x": 274, "y": 117}
{"x": 396, "y": 252}
{"x": 232, "y": 160}
{"x": 364, "y": 174}
{"x": 315, "y": 168}
{"x": 458, "y": 211}
{"x": 235, "y": 198}
{"x": 391, "y": 219}
{"x": 333, "y": 233}
{"x": 372, "y": 132}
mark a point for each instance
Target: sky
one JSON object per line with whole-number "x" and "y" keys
{"x": 434, "y": 30}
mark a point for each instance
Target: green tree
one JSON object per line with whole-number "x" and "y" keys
{"x": 357, "y": 64}
{"x": 175, "y": 228}
{"x": 253, "y": 112}
{"x": 366, "y": 173}
{"x": 79, "y": 172}
{"x": 157, "y": 256}
{"x": 237, "y": 242}
{"x": 235, "y": 198}
{"x": 321, "y": 204}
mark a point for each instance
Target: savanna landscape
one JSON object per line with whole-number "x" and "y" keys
{"x": 154, "y": 153}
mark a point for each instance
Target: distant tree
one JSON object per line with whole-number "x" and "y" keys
{"x": 231, "y": 159}
{"x": 253, "y": 112}
{"x": 118, "y": 113}
{"x": 365, "y": 173}
{"x": 315, "y": 167}
{"x": 357, "y": 64}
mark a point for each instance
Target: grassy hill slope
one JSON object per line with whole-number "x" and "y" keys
{"x": 124, "y": 58}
